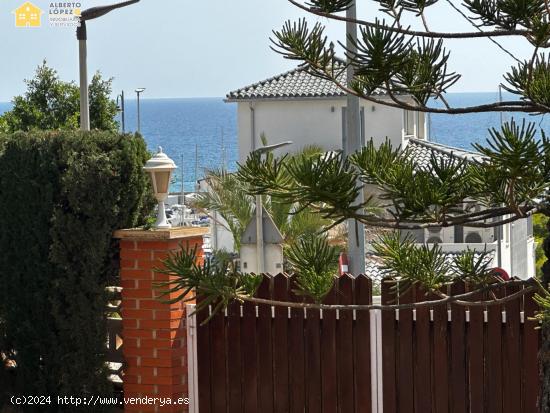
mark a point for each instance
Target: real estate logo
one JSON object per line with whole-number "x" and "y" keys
{"x": 64, "y": 14}
{"x": 28, "y": 15}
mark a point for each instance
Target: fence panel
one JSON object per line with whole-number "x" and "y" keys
{"x": 257, "y": 358}
{"x": 464, "y": 359}
{"x": 439, "y": 358}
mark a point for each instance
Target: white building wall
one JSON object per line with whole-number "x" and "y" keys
{"x": 311, "y": 122}
{"x": 531, "y": 258}
{"x": 381, "y": 122}
{"x": 273, "y": 258}
{"x": 222, "y": 238}
{"x": 517, "y": 249}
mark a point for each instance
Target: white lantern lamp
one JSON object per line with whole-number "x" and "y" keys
{"x": 160, "y": 167}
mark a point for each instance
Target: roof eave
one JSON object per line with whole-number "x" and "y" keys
{"x": 282, "y": 98}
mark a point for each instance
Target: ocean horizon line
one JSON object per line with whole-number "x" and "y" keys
{"x": 130, "y": 96}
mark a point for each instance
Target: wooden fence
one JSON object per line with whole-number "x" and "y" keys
{"x": 452, "y": 358}
{"x": 259, "y": 359}
{"x": 429, "y": 360}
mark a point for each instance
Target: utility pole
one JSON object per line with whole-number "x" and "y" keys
{"x": 356, "y": 230}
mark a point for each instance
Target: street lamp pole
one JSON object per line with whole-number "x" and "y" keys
{"x": 356, "y": 230}
{"x": 81, "y": 35}
{"x": 121, "y": 109}
{"x": 139, "y": 91}
{"x": 259, "y": 211}
{"x": 83, "y": 69}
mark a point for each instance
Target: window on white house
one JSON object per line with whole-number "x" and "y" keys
{"x": 409, "y": 123}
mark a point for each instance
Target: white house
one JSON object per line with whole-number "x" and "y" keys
{"x": 308, "y": 110}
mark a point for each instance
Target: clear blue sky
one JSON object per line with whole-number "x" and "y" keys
{"x": 179, "y": 48}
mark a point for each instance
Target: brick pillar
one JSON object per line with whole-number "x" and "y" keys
{"x": 154, "y": 333}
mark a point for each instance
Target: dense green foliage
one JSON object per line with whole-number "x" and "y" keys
{"x": 427, "y": 266}
{"x": 216, "y": 281}
{"x": 50, "y": 103}
{"x": 390, "y": 55}
{"x": 510, "y": 179}
{"x": 62, "y": 194}
{"x": 314, "y": 261}
{"x": 539, "y": 232}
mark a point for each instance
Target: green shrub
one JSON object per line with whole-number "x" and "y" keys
{"x": 62, "y": 194}
{"x": 539, "y": 231}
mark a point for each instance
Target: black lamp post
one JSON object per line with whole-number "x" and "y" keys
{"x": 89, "y": 14}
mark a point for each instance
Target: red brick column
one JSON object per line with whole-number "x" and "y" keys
{"x": 154, "y": 333}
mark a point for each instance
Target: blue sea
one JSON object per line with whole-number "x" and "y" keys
{"x": 201, "y": 133}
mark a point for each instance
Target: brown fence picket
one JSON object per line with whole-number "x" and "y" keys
{"x": 234, "y": 374}
{"x": 329, "y": 356}
{"x": 512, "y": 354}
{"x": 344, "y": 346}
{"x": 389, "y": 360}
{"x": 297, "y": 383}
{"x": 493, "y": 371}
{"x": 422, "y": 356}
{"x": 219, "y": 366}
{"x": 405, "y": 371}
{"x": 476, "y": 356}
{"x": 440, "y": 381}
{"x": 280, "y": 346}
{"x": 530, "y": 374}
{"x": 249, "y": 358}
{"x": 313, "y": 360}
{"x": 459, "y": 379}
{"x": 265, "y": 352}
{"x": 362, "y": 349}
{"x": 204, "y": 360}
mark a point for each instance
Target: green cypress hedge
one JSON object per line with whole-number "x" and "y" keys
{"x": 62, "y": 194}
